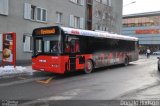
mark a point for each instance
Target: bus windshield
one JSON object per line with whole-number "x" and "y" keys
{"x": 47, "y": 45}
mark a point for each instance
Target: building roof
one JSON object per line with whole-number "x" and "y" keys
{"x": 142, "y": 14}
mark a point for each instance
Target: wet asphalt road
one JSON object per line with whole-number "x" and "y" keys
{"x": 140, "y": 80}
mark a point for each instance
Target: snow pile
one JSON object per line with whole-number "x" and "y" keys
{"x": 7, "y": 70}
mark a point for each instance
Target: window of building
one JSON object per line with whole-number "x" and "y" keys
{"x": 35, "y": 13}
{"x": 27, "y": 43}
{"x": 106, "y": 29}
{"x": 106, "y": 2}
{"x": 98, "y": 0}
{"x": 101, "y": 28}
{"x": 109, "y": 3}
{"x": 104, "y": 16}
{"x": 98, "y": 27}
{"x": 41, "y": 14}
{"x": 44, "y": 14}
{"x": 136, "y": 21}
{"x": 0, "y": 42}
{"x": 99, "y": 13}
{"x": 59, "y": 17}
{"x": 76, "y": 22}
{"x": 142, "y": 21}
{"x": 79, "y": 2}
{"x": 4, "y": 7}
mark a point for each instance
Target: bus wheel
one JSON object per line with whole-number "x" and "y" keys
{"x": 88, "y": 67}
{"x": 126, "y": 62}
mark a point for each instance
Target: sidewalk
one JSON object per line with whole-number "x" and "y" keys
{"x": 10, "y": 71}
{"x": 143, "y": 56}
{"x": 150, "y": 92}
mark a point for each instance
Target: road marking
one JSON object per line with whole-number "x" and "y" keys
{"x": 56, "y": 98}
{"x": 65, "y": 95}
{"x": 45, "y": 81}
{"x": 73, "y": 92}
{"x": 20, "y": 82}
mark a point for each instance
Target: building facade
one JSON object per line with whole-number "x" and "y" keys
{"x": 104, "y": 15}
{"x": 22, "y": 16}
{"x": 145, "y": 26}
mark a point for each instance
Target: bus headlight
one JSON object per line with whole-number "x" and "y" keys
{"x": 42, "y": 61}
{"x": 33, "y": 63}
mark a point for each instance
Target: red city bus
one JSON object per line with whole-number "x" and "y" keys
{"x": 61, "y": 49}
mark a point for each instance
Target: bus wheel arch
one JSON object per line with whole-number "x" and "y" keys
{"x": 88, "y": 66}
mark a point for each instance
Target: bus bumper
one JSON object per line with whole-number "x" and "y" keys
{"x": 48, "y": 69}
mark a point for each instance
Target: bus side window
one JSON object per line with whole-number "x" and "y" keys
{"x": 72, "y": 45}
{"x": 76, "y": 49}
{"x": 67, "y": 47}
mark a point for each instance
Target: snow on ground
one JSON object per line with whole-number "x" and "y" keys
{"x": 8, "y": 70}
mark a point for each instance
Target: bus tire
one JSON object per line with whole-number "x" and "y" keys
{"x": 88, "y": 67}
{"x": 126, "y": 61}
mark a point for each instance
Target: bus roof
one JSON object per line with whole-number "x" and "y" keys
{"x": 96, "y": 34}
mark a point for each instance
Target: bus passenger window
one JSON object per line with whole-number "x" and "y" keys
{"x": 76, "y": 46}
{"x": 67, "y": 48}
{"x": 72, "y": 45}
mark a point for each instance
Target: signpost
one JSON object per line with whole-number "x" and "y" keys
{"x": 9, "y": 48}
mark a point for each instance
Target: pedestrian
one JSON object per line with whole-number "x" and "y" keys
{"x": 148, "y": 52}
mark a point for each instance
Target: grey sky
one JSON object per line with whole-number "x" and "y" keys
{"x": 140, "y": 6}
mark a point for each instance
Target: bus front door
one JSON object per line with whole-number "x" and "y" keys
{"x": 72, "y": 58}
{"x": 74, "y": 50}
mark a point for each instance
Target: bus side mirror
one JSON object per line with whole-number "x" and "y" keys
{"x": 158, "y": 57}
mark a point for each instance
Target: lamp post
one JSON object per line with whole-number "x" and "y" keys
{"x": 129, "y": 3}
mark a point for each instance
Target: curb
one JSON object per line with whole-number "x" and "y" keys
{"x": 31, "y": 73}
{"x": 12, "y": 75}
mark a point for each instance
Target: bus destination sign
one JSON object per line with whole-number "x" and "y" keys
{"x": 51, "y": 31}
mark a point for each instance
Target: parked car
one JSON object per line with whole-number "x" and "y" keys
{"x": 156, "y": 52}
{"x": 158, "y": 63}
